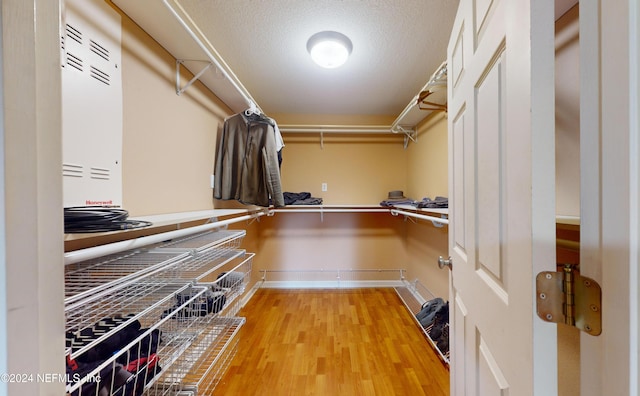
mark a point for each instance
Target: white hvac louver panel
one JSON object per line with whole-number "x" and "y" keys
{"x": 91, "y": 104}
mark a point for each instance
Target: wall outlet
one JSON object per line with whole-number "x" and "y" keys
{"x": 212, "y": 181}
{"x": 324, "y": 186}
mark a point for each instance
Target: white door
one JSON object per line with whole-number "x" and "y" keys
{"x": 502, "y": 194}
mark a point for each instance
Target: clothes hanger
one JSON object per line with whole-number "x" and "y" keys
{"x": 253, "y": 109}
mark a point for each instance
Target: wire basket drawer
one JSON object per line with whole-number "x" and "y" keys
{"x": 162, "y": 335}
{"x": 93, "y": 321}
{"x": 200, "y": 368}
{"x": 201, "y": 266}
{"x": 89, "y": 277}
{"x": 215, "y": 239}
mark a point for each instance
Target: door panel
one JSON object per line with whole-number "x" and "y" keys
{"x": 494, "y": 239}
{"x": 490, "y": 108}
{"x": 458, "y": 136}
{"x": 491, "y": 380}
{"x": 459, "y": 350}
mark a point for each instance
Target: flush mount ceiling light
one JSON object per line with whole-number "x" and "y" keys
{"x": 329, "y": 49}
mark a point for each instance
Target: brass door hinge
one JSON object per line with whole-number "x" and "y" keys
{"x": 567, "y": 297}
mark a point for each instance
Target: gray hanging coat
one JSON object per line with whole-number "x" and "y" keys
{"x": 247, "y": 162}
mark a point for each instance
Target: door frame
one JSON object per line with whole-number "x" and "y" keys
{"x": 610, "y": 223}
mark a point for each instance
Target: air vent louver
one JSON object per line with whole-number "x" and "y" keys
{"x": 101, "y": 173}
{"x": 74, "y": 34}
{"x": 72, "y": 170}
{"x": 99, "y": 75}
{"x": 74, "y": 62}
{"x": 99, "y": 50}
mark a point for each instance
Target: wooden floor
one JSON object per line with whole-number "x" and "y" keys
{"x": 332, "y": 342}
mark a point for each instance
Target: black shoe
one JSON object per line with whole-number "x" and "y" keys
{"x": 443, "y": 340}
{"x": 441, "y": 319}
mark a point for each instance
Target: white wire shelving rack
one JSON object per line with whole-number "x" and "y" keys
{"x": 414, "y": 295}
{"x": 166, "y": 339}
{"x": 180, "y": 290}
{"x": 332, "y": 278}
{"x": 88, "y": 278}
{"x": 201, "y": 366}
{"x": 422, "y": 214}
{"x": 145, "y": 241}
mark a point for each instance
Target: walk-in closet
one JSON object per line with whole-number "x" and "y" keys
{"x": 325, "y": 197}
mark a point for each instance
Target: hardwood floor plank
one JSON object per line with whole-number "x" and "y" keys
{"x": 332, "y": 342}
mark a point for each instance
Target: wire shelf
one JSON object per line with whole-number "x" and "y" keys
{"x": 92, "y": 276}
{"x": 219, "y": 239}
{"x": 414, "y": 295}
{"x": 199, "y": 267}
{"x": 332, "y": 278}
{"x": 147, "y": 299}
{"x": 142, "y": 301}
{"x": 138, "y": 364}
{"x": 183, "y": 296}
{"x": 201, "y": 367}
{"x": 233, "y": 281}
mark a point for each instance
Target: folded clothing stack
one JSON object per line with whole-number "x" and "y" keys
{"x": 302, "y": 198}
{"x": 437, "y": 202}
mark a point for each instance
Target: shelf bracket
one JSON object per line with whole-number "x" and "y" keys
{"x": 180, "y": 90}
{"x": 409, "y": 135}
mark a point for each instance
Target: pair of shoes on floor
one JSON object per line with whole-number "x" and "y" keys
{"x": 428, "y": 311}
{"x": 439, "y": 332}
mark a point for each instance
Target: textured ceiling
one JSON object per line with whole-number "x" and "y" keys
{"x": 397, "y": 46}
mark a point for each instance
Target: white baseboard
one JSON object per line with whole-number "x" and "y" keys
{"x": 328, "y": 284}
{"x": 248, "y": 295}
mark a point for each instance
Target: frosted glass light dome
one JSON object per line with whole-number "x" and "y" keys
{"x": 329, "y": 49}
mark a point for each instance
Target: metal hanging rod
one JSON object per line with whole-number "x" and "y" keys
{"x": 433, "y": 219}
{"x": 337, "y": 129}
{"x": 77, "y": 256}
{"x": 350, "y": 129}
{"x": 187, "y": 23}
{"x": 331, "y": 210}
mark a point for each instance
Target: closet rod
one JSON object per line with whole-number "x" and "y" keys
{"x": 396, "y": 212}
{"x": 367, "y": 129}
{"x": 211, "y": 52}
{"x": 321, "y": 210}
{"x": 77, "y": 256}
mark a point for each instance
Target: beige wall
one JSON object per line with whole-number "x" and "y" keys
{"x": 568, "y": 175}
{"x": 428, "y": 177}
{"x": 357, "y": 169}
{"x": 311, "y": 241}
{"x": 169, "y": 153}
{"x": 568, "y": 115}
{"x": 361, "y": 170}
{"x": 427, "y": 159}
{"x": 168, "y": 140}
